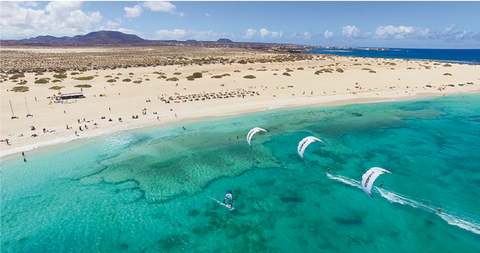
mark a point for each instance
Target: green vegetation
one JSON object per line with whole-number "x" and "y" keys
{"x": 56, "y": 87}
{"x": 372, "y": 71}
{"x": 74, "y": 73}
{"x": 289, "y": 70}
{"x": 42, "y": 81}
{"x": 197, "y": 75}
{"x": 84, "y": 78}
{"x": 57, "y": 81}
{"x": 242, "y": 62}
{"x": 177, "y": 73}
{"x": 286, "y": 74}
{"x": 83, "y": 86}
{"x": 161, "y": 77}
{"x": 108, "y": 76}
{"x": 447, "y": 65}
{"x": 447, "y": 74}
{"x": 172, "y": 79}
{"x": 58, "y": 76}
{"x": 236, "y": 70}
{"x": 22, "y": 82}
{"x": 131, "y": 74}
{"x": 111, "y": 80}
{"x": 16, "y": 76}
{"x": 217, "y": 76}
{"x": 137, "y": 81}
{"x": 20, "y": 89}
{"x": 261, "y": 70}
{"x": 339, "y": 70}
{"x": 250, "y": 77}
{"x": 127, "y": 80}
{"x": 301, "y": 68}
{"x": 323, "y": 71}
{"x": 191, "y": 78}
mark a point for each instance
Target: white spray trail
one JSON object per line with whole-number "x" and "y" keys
{"x": 462, "y": 222}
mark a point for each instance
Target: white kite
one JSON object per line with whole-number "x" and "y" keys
{"x": 253, "y": 132}
{"x": 303, "y": 144}
{"x": 369, "y": 177}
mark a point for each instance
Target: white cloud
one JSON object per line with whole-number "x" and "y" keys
{"x": 19, "y": 20}
{"x": 112, "y": 25}
{"x": 328, "y": 34}
{"x": 133, "y": 12}
{"x": 207, "y": 15}
{"x": 462, "y": 35}
{"x": 30, "y": 4}
{"x": 159, "y": 6}
{"x": 351, "y": 31}
{"x": 267, "y": 34}
{"x": 250, "y": 33}
{"x": 401, "y": 32}
{"x": 179, "y": 34}
{"x": 451, "y": 27}
{"x": 307, "y": 35}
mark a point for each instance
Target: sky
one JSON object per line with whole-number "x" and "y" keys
{"x": 404, "y": 24}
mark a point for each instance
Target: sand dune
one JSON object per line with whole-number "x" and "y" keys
{"x": 108, "y": 107}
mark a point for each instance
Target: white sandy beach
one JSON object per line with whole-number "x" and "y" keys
{"x": 211, "y": 97}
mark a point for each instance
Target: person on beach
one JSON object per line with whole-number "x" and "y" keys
{"x": 23, "y": 153}
{"x": 439, "y": 209}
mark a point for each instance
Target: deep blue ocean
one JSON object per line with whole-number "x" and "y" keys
{"x": 160, "y": 189}
{"x": 467, "y": 56}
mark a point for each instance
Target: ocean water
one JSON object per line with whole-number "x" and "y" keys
{"x": 467, "y": 56}
{"x": 160, "y": 189}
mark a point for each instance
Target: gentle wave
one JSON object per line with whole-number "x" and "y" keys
{"x": 462, "y": 222}
{"x": 63, "y": 140}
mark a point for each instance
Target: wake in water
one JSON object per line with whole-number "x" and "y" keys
{"x": 462, "y": 222}
{"x": 220, "y": 203}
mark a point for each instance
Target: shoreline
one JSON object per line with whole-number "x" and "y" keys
{"x": 114, "y": 130}
{"x": 301, "y": 83}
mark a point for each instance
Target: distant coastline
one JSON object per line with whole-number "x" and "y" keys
{"x": 462, "y": 56}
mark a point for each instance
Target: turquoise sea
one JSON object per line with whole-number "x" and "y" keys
{"x": 159, "y": 189}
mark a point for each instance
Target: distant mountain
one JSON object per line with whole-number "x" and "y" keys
{"x": 224, "y": 41}
{"x": 108, "y": 37}
{"x": 113, "y": 38}
{"x": 91, "y": 39}
{"x": 104, "y": 38}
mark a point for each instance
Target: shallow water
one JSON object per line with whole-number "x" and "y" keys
{"x": 158, "y": 189}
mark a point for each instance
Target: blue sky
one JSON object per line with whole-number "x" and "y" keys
{"x": 409, "y": 24}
